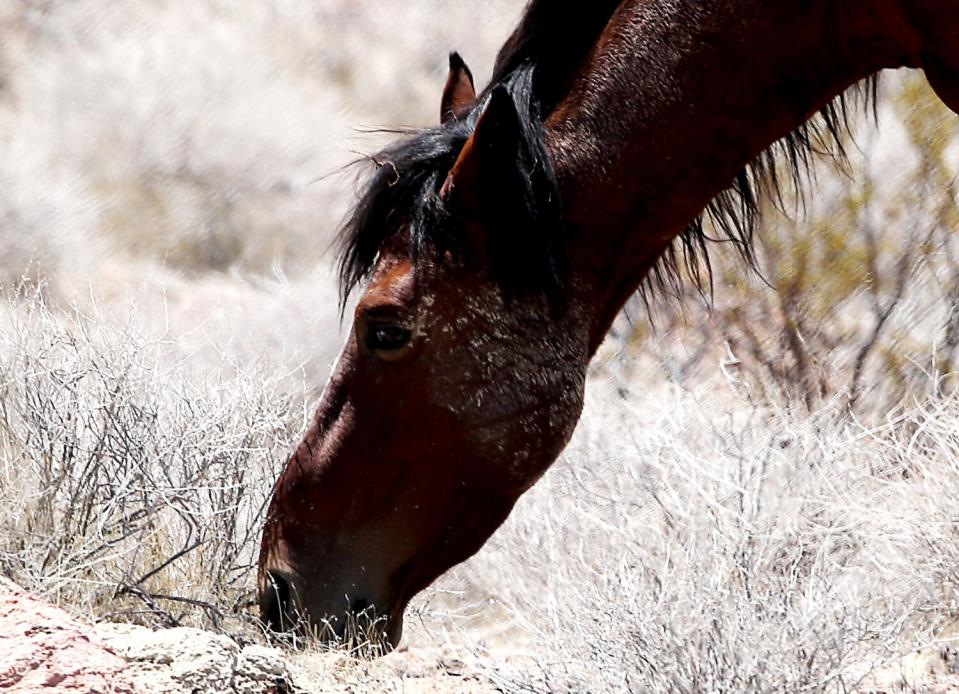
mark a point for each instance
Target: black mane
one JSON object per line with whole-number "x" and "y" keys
{"x": 733, "y": 214}
{"x": 402, "y": 196}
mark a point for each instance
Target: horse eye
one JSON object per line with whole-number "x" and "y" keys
{"x": 384, "y": 337}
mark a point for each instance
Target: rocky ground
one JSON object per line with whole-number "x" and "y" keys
{"x": 43, "y": 648}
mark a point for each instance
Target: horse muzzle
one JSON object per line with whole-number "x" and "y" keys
{"x": 287, "y": 611}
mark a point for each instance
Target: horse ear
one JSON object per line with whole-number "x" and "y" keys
{"x": 459, "y": 94}
{"x": 482, "y": 169}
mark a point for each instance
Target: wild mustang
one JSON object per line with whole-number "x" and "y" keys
{"x": 496, "y": 249}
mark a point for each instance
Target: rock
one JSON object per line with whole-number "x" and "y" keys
{"x": 186, "y": 659}
{"x": 43, "y": 649}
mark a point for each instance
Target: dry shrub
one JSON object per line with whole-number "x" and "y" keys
{"x": 129, "y": 491}
{"x": 705, "y": 546}
{"x": 856, "y": 293}
{"x": 208, "y": 135}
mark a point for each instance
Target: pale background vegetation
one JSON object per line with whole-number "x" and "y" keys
{"x": 760, "y": 497}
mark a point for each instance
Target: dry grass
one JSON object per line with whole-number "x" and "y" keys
{"x": 133, "y": 487}
{"x": 702, "y": 545}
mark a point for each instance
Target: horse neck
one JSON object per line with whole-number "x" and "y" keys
{"x": 678, "y": 96}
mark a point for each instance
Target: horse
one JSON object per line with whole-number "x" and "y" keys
{"x": 495, "y": 250}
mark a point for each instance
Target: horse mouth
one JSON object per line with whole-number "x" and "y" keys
{"x": 359, "y": 628}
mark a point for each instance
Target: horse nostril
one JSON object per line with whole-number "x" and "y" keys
{"x": 275, "y": 601}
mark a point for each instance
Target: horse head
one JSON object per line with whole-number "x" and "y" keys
{"x": 460, "y": 381}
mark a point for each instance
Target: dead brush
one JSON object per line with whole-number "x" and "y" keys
{"x": 129, "y": 490}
